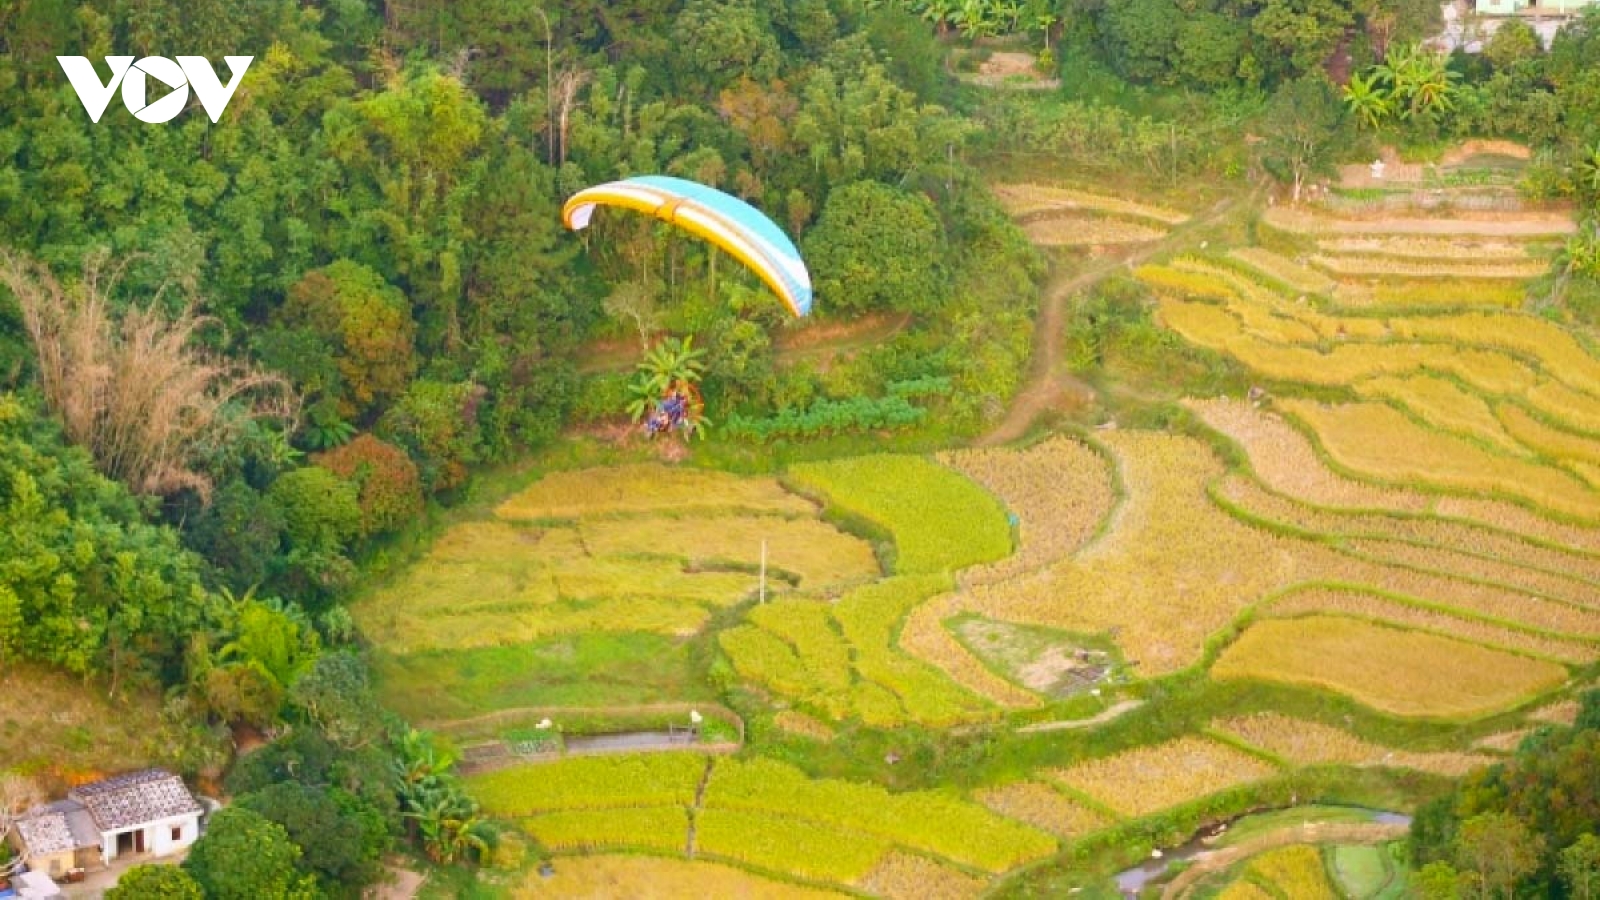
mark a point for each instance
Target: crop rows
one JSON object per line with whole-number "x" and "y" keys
{"x": 807, "y": 651}
{"x": 869, "y": 617}
{"x": 1406, "y": 673}
{"x": 649, "y": 488}
{"x": 1060, "y": 491}
{"x": 1088, "y": 231}
{"x": 1284, "y": 271}
{"x": 1148, "y": 779}
{"x": 940, "y": 520}
{"x": 1529, "y": 225}
{"x": 821, "y": 555}
{"x": 655, "y": 828}
{"x": 1286, "y": 461}
{"x": 637, "y": 875}
{"x": 1043, "y": 807}
{"x": 1562, "y": 404}
{"x": 932, "y": 822}
{"x": 1174, "y": 569}
{"x": 1425, "y": 248}
{"x": 1464, "y": 536}
{"x": 590, "y": 782}
{"x": 1359, "y": 604}
{"x": 1258, "y": 313}
{"x": 1243, "y": 287}
{"x": 1551, "y": 585}
{"x": 1425, "y": 294}
{"x": 906, "y": 876}
{"x": 764, "y": 658}
{"x": 1307, "y": 743}
{"x": 1186, "y": 282}
{"x": 784, "y": 844}
{"x": 1445, "y": 406}
{"x": 1023, "y": 199}
{"x": 1294, "y": 871}
{"x": 1487, "y": 600}
{"x": 1380, "y": 443}
{"x": 1215, "y": 328}
{"x": 1370, "y": 266}
{"x": 1558, "y": 352}
{"x": 401, "y": 631}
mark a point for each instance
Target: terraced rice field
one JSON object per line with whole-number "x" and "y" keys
{"x": 1024, "y": 199}
{"x": 1416, "y": 533}
{"x": 1293, "y": 871}
{"x": 940, "y": 521}
{"x": 1172, "y": 570}
{"x": 1302, "y": 742}
{"x": 1149, "y": 779}
{"x": 1059, "y": 490}
{"x": 760, "y": 813}
{"x": 605, "y": 876}
{"x": 544, "y": 567}
{"x": 1088, "y": 231}
{"x": 1405, "y": 673}
{"x": 840, "y": 658}
{"x": 1044, "y": 807}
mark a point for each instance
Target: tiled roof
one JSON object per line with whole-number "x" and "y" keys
{"x": 45, "y": 831}
{"x": 138, "y": 798}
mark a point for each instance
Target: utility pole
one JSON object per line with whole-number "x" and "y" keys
{"x": 763, "y": 570}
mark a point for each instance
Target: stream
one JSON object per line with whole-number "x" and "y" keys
{"x": 1131, "y": 881}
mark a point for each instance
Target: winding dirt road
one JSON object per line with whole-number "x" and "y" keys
{"x": 1048, "y": 384}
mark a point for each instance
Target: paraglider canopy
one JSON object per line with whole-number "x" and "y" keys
{"x": 723, "y": 219}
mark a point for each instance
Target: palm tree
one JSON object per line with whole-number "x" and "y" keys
{"x": 1436, "y": 89}
{"x": 941, "y": 13}
{"x": 1368, "y": 100}
{"x": 972, "y": 17}
{"x": 452, "y": 829}
{"x": 671, "y": 362}
{"x": 420, "y": 762}
{"x": 1044, "y": 20}
{"x": 1400, "y": 70}
{"x": 1011, "y": 11}
{"x": 1581, "y": 255}
{"x": 1587, "y": 170}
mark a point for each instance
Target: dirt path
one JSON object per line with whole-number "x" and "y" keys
{"x": 1106, "y": 715}
{"x": 1047, "y": 385}
{"x": 1312, "y": 832}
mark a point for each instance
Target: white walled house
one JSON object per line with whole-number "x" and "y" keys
{"x": 147, "y": 813}
{"x": 150, "y": 811}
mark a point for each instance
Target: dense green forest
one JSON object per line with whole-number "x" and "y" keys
{"x": 237, "y": 358}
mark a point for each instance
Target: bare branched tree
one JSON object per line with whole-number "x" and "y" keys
{"x": 639, "y": 303}
{"x": 571, "y": 80}
{"x": 18, "y": 794}
{"x": 135, "y": 390}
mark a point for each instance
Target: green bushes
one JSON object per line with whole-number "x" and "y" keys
{"x": 390, "y": 488}
{"x": 828, "y": 417}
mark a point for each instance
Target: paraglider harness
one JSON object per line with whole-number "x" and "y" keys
{"x": 678, "y": 410}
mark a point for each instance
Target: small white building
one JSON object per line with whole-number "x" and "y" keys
{"x": 146, "y": 813}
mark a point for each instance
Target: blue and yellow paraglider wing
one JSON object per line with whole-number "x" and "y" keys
{"x": 723, "y": 219}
